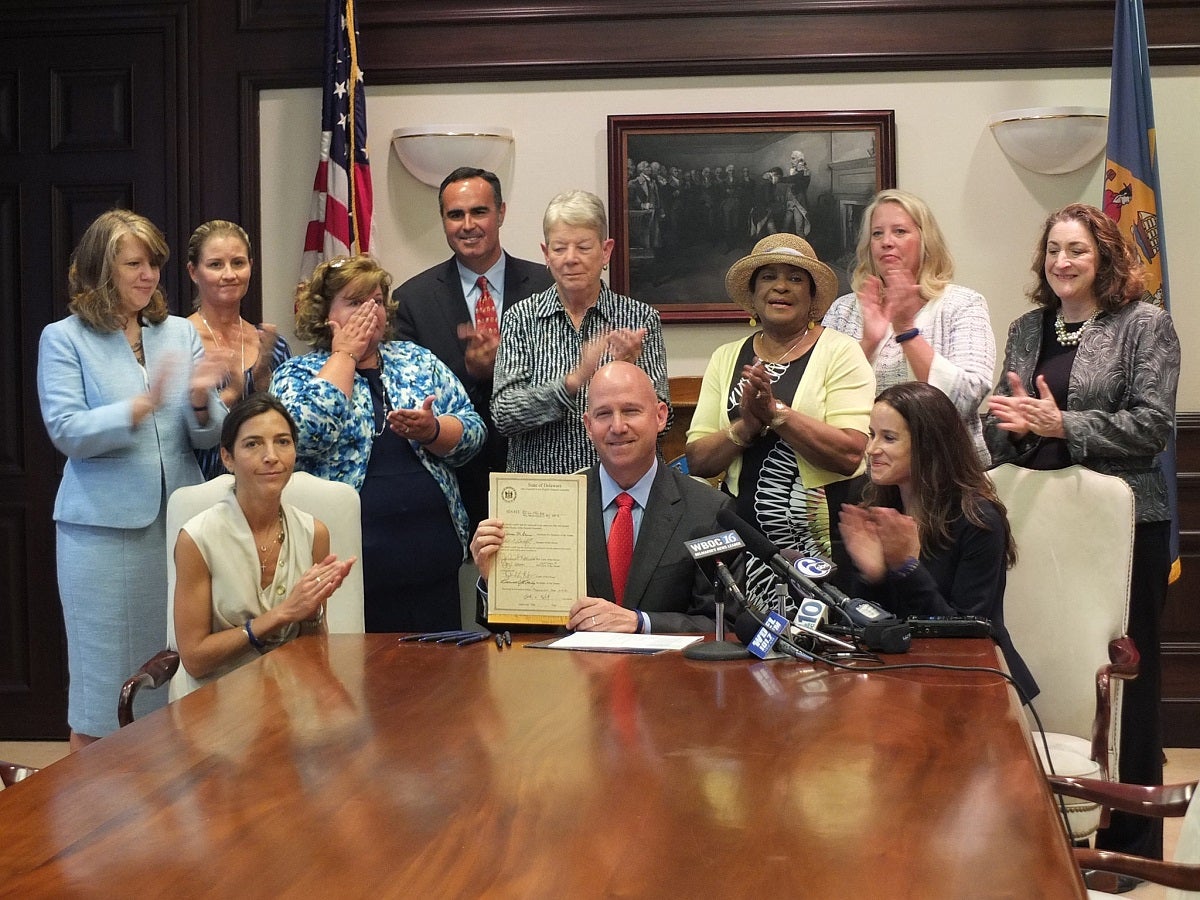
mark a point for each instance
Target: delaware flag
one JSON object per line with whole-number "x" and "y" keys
{"x": 341, "y": 223}
{"x": 1131, "y": 191}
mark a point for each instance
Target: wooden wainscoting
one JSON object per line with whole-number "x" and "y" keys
{"x": 1181, "y": 621}
{"x": 684, "y": 394}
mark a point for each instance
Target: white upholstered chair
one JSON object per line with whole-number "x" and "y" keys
{"x": 1066, "y": 606}
{"x": 334, "y": 503}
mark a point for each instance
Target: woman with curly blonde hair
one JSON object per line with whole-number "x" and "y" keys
{"x": 391, "y": 420}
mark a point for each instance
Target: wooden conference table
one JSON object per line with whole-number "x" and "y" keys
{"x": 365, "y": 767}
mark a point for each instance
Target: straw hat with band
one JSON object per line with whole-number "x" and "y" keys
{"x": 788, "y": 249}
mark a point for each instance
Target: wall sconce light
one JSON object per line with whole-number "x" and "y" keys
{"x": 431, "y": 152}
{"x": 1051, "y": 140}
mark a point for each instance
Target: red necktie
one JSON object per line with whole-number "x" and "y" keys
{"x": 485, "y": 309}
{"x": 620, "y": 546}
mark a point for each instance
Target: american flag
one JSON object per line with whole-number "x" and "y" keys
{"x": 341, "y": 224}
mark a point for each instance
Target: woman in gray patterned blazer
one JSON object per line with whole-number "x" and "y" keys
{"x": 1090, "y": 378}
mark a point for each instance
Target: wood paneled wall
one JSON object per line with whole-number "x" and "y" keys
{"x": 1181, "y": 620}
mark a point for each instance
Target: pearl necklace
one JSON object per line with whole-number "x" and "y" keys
{"x": 1071, "y": 338}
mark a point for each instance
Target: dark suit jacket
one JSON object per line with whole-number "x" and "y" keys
{"x": 664, "y": 580}
{"x": 431, "y": 307}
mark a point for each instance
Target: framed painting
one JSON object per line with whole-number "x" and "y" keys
{"x": 690, "y": 194}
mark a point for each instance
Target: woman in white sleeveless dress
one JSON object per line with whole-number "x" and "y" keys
{"x": 251, "y": 571}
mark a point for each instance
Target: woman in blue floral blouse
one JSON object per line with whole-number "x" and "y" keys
{"x": 389, "y": 419}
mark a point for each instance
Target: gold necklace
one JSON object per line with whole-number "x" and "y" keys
{"x": 135, "y": 344}
{"x": 220, "y": 343}
{"x": 779, "y": 360}
{"x": 265, "y": 548}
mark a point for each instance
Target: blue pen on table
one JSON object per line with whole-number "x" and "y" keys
{"x": 453, "y": 637}
{"x": 434, "y": 635}
{"x": 475, "y": 638}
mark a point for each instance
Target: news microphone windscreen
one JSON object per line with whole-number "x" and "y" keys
{"x": 887, "y": 637}
{"x": 756, "y": 541}
{"x": 815, "y": 567}
{"x": 746, "y": 625}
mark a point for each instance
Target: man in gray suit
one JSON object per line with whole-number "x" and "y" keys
{"x": 664, "y": 590}
{"x": 437, "y": 308}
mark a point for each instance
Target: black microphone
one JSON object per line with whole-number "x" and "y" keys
{"x": 781, "y": 565}
{"x": 860, "y": 612}
{"x": 757, "y": 543}
{"x": 707, "y": 551}
{"x": 750, "y": 622}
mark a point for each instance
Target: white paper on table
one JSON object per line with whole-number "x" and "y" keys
{"x": 614, "y": 642}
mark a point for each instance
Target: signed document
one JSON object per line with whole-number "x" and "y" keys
{"x": 541, "y": 570}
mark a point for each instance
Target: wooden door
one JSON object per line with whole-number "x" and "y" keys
{"x": 89, "y": 120}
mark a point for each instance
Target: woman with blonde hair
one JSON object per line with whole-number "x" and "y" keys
{"x": 220, "y": 265}
{"x": 391, "y": 420}
{"x": 126, "y": 396}
{"x": 913, "y": 322}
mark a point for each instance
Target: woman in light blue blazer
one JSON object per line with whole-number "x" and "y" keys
{"x": 126, "y": 395}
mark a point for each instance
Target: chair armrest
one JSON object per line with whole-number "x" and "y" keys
{"x": 1153, "y": 800}
{"x": 11, "y": 773}
{"x": 1180, "y": 876}
{"x": 154, "y": 673}
{"x": 1124, "y": 661}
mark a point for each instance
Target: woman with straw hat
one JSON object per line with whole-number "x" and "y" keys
{"x": 783, "y": 413}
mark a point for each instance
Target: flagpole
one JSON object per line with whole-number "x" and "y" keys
{"x": 352, "y": 137}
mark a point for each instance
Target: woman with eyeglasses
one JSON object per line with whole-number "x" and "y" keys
{"x": 391, "y": 420}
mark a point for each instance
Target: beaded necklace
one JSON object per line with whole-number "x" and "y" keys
{"x": 1071, "y": 338}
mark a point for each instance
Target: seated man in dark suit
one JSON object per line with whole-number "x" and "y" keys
{"x": 449, "y": 311}
{"x": 663, "y": 589}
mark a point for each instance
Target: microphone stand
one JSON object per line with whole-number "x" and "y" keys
{"x": 718, "y": 649}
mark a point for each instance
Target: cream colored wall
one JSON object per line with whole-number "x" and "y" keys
{"x": 990, "y": 209}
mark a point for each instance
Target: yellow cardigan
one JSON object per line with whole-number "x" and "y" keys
{"x": 838, "y": 387}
